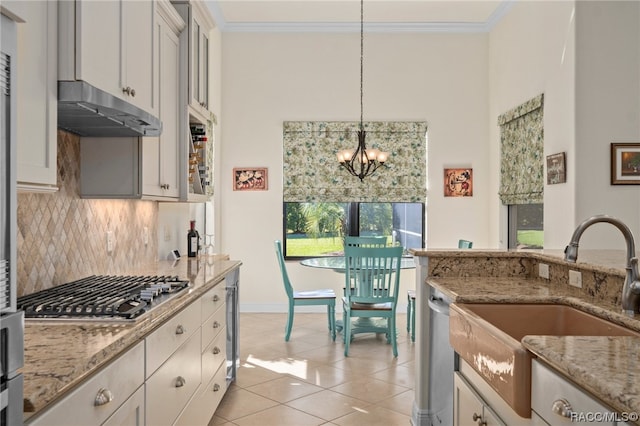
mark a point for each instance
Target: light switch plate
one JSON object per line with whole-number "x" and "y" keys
{"x": 543, "y": 270}
{"x": 575, "y": 279}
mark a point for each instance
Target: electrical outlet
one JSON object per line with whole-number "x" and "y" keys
{"x": 543, "y": 270}
{"x": 575, "y": 278}
{"x": 110, "y": 241}
{"x": 145, "y": 236}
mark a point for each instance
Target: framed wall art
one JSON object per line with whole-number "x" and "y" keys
{"x": 458, "y": 182}
{"x": 625, "y": 163}
{"x": 250, "y": 179}
{"x": 556, "y": 168}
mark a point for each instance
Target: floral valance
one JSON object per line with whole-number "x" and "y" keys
{"x": 522, "y": 149}
{"x": 311, "y": 171}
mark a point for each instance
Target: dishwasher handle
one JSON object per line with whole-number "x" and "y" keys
{"x": 438, "y": 305}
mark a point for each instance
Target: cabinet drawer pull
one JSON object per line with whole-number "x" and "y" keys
{"x": 103, "y": 397}
{"x": 215, "y": 298}
{"x": 180, "y": 330}
{"x": 478, "y": 419}
{"x": 180, "y": 382}
{"x": 562, "y": 408}
{"x": 216, "y": 387}
{"x": 216, "y": 324}
{"x": 216, "y": 350}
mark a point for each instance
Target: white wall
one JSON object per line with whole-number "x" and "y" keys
{"x": 607, "y": 110}
{"x": 587, "y": 65}
{"x": 271, "y": 78}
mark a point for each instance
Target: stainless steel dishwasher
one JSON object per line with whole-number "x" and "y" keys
{"x": 440, "y": 360}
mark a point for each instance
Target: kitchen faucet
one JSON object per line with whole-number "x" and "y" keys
{"x": 631, "y": 287}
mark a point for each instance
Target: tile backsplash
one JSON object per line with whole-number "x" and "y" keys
{"x": 62, "y": 237}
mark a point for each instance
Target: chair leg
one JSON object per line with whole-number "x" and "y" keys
{"x": 408, "y": 314}
{"x": 413, "y": 320}
{"x": 289, "y": 325}
{"x": 331, "y": 310}
{"x": 394, "y": 341}
{"x": 346, "y": 332}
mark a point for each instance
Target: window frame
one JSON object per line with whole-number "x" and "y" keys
{"x": 352, "y": 224}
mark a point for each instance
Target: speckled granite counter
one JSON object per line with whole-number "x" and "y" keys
{"x": 607, "y": 367}
{"x": 60, "y": 355}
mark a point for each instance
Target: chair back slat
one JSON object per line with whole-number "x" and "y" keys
{"x": 372, "y": 241}
{"x": 283, "y": 269}
{"x": 372, "y": 274}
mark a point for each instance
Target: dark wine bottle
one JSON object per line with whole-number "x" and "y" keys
{"x": 193, "y": 240}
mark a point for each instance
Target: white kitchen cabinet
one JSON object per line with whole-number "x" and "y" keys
{"x": 558, "y": 401}
{"x": 495, "y": 409}
{"x": 163, "y": 155}
{"x": 37, "y": 78}
{"x": 171, "y": 387}
{"x": 109, "y": 44}
{"x": 200, "y": 24}
{"x": 469, "y": 407}
{"x": 97, "y": 399}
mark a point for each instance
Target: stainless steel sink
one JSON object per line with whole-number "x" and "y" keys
{"x": 488, "y": 337}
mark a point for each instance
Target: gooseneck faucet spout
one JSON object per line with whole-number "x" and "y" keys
{"x": 631, "y": 287}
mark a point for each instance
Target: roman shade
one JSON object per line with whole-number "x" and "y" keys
{"x": 312, "y": 173}
{"x": 521, "y": 157}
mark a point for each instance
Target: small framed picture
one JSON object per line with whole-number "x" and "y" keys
{"x": 556, "y": 168}
{"x": 625, "y": 163}
{"x": 458, "y": 182}
{"x": 250, "y": 179}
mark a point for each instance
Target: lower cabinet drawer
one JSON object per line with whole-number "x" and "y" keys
{"x": 206, "y": 401}
{"x": 550, "y": 392}
{"x": 213, "y": 356}
{"x": 131, "y": 413}
{"x": 174, "y": 383}
{"x": 109, "y": 388}
{"x": 213, "y": 325}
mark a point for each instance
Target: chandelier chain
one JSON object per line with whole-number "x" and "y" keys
{"x": 361, "y": 64}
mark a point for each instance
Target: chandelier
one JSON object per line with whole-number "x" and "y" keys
{"x": 362, "y": 162}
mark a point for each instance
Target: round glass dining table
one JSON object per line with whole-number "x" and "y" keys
{"x": 337, "y": 263}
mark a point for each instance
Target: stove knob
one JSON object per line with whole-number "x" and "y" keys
{"x": 156, "y": 287}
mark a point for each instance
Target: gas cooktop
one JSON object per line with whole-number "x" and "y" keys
{"x": 102, "y": 297}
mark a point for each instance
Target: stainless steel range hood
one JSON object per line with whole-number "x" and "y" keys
{"x": 88, "y": 111}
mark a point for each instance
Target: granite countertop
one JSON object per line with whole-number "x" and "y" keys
{"x": 60, "y": 355}
{"x": 607, "y": 367}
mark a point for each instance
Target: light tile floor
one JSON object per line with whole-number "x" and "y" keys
{"x": 309, "y": 381}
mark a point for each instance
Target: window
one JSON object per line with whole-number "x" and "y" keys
{"x": 317, "y": 229}
{"x": 526, "y": 226}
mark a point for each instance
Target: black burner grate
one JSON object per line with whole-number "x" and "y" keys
{"x": 110, "y": 296}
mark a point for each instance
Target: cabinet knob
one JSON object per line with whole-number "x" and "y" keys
{"x": 216, "y": 324}
{"x": 180, "y": 329}
{"x": 180, "y": 382}
{"x": 477, "y": 418}
{"x": 216, "y": 298}
{"x": 216, "y": 350}
{"x": 133, "y": 93}
{"x": 126, "y": 90}
{"x": 562, "y": 408}
{"x": 164, "y": 186}
{"x": 216, "y": 387}
{"x": 103, "y": 397}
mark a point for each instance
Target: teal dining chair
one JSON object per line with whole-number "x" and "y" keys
{"x": 326, "y": 297}
{"x": 373, "y": 273}
{"x": 411, "y": 298}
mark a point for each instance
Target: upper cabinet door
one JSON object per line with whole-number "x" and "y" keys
{"x": 36, "y": 116}
{"x": 200, "y": 27}
{"x": 114, "y": 45}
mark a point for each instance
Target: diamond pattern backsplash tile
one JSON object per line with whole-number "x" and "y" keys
{"x": 62, "y": 237}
